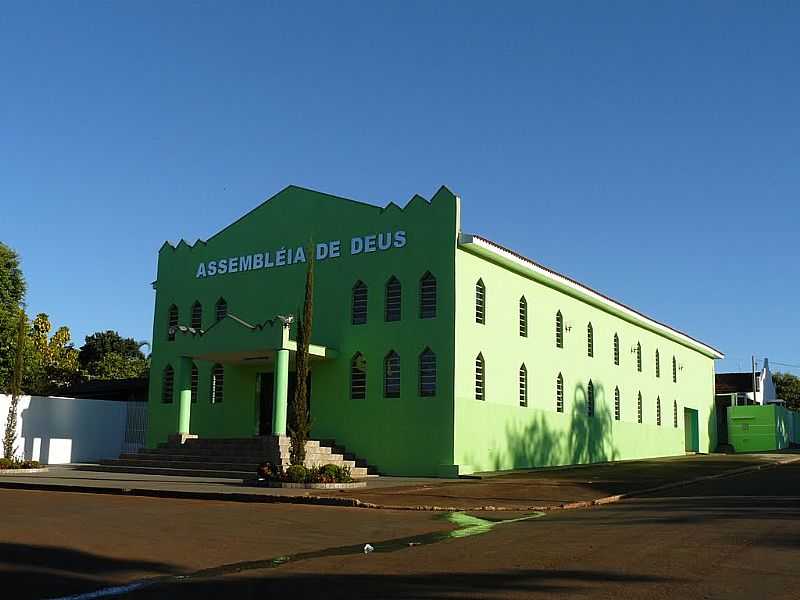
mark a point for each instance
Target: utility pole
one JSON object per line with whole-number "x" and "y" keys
{"x": 754, "y": 379}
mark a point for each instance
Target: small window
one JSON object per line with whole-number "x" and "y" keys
{"x": 480, "y": 302}
{"x": 221, "y": 309}
{"x": 172, "y": 322}
{"x": 523, "y": 385}
{"x": 393, "y": 303}
{"x": 391, "y": 375}
{"x": 194, "y": 383}
{"x": 427, "y": 373}
{"x": 590, "y": 399}
{"x": 617, "y": 407}
{"x": 427, "y": 296}
{"x": 559, "y": 330}
{"x": 758, "y": 383}
{"x": 358, "y": 377}
{"x": 559, "y": 393}
{"x": 658, "y": 411}
{"x": 675, "y": 414}
{"x": 639, "y": 408}
{"x": 523, "y": 317}
{"x": 674, "y": 370}
{"x": 217, "y": 384}
{"x": 197, "y": 316}
{"x": 589, "y": 341}
{"x": 658, "y": 364}
{"x": 616, "y": 349}
{"x": 480, "y": 378}
{"x": 638, "y": 357}
{"x": 167, "y": 385}
{"x": 359, "y": 304}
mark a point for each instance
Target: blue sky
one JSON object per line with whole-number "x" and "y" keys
{"x": 651, "y": 150}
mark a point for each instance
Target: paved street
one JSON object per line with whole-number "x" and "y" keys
{"x": 729, "y": 538}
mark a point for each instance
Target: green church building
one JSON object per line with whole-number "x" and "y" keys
{"x": 434, "y": 351}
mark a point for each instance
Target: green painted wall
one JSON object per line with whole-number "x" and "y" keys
{"x": 756, "y": 428}
{"x": 499, "y": 434}
{"x": 409, "y": 434}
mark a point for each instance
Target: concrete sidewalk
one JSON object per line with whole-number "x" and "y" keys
{"x": 516, "y": 490}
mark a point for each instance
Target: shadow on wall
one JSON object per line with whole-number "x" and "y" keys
{"x": 586, "y": 439}
{"x": 67, "y": 430}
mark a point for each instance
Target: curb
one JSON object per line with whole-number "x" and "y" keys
{"x": 356, "y": 503}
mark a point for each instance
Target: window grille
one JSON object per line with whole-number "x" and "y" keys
{"x": 359, "y": 303}
{"x": 559, "y": 330}
{"x": 358, "y": 377}
{"x": 194, "y": 382}
{"x": 172, "y": 322}
{"x": 658, "y": 411}
{"x": 560, "y": 394}
{"x": 616, "y": 349}
{"x": 590, "y": 399}
{"x": 391, "y": 375}
{"x": 221, "y": 309}
{"x": 427, "y": 373}
{"x": 638, "y": 357}
{"x": 167, "y": 385}
{"x": 523, "y": 385}
{"x": 589, "y": 340}
{"x": 675, "y": 413}
{"x": 480, "y": 378}
{"x": 393, "y": 299}
{"x": 617, "y": 407}
{"x": 197, "y": 316}
{"x": 523, "y": 317}
{"x": 658, "y": 364}
{"x": 427, "y": 296}
{"x": 480, "y": 302}
{"x": 217, "y": 384}
{"x": 674, "y": 370}
{"x": 639, "y": 408}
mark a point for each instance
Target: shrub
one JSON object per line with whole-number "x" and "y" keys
{"x": 296, "y": 474}
{"x": 15, "y": 463}
{"x": 331, "y": 473}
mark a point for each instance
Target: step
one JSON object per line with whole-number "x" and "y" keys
{"x": 181, "y": 464}
{"x": 177, "y": 469}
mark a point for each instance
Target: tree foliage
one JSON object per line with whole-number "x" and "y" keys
{"x": 108, "y": 355}
{"x": 52, "y": 361}
{"x": 12, "y": 294}
{"x": 300, "y": 426}
{"x": 10, "y": 433}
{"x": 787, "y": 388}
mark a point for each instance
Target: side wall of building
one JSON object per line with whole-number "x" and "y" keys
{"x": 497, "y": 433}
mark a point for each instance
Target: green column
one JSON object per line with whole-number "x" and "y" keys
{"x": 184, "y": 380}
{"x": 280, "y": 401}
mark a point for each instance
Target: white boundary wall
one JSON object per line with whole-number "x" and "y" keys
{"x": 75, "y": 430}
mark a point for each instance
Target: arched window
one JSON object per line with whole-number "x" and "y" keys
{"x": 658, "y": 364}
{"x": 590, "y": 399}
{"x": 217, "y": 384}
{"x": 638, "y": 357}
{"x": 391, "y": 375}
{"x": 393, "y": 302}
{"x": 674, "y": 370}
{"x": 523, "y": 317}
{"x": 427, "y": 296}
{"x": 427, "y": 373}
{"x": 358, "y": 377}
{"x": 639, "y": 408}
{"x": 523, "y": 385}
{"x": 172, "y": 322}
{"x": 480, "y": 302}
{"x": 195, "y": 381}
{"x": 480, "y": 378}
{"x": 589, "y": 340}
{"x": 559, "y": 330}
{"x": 559, "y": 393}
{"x": 197, "y": 316}
{"x": 359, "y": 304}
{"x": 616, "y": 349}
{"x": 658, "y": 411}
{"x": 220, "y": 309}
{"x": 675, "y": 414}
{"x": 167, "y": 385}
{"x": 617, "y": 407}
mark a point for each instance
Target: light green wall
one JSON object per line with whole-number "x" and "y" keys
{"x": 499, "y": 434}
{"x": 409, "y": 434}
{"x": 756, "y": 428}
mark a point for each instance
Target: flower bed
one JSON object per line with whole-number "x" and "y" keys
{"x": 328, "y": 476}
{"x": 15, "y": 466}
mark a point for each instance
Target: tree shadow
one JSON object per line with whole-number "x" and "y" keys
{"x": 49, "y": 571}
{"x": 521, "y": 582}
{"x": 587, "y": 438}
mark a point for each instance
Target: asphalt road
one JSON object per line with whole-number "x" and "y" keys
{"x": 732, "y": 538}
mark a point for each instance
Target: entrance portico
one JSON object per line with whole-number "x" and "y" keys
{"x": 267, "y": 345}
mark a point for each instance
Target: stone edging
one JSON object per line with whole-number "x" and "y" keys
{"x": 13, "y": 472}
{"x": 315, "y": 486}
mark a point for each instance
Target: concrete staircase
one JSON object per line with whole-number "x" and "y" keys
{"x": 231, "y": 458}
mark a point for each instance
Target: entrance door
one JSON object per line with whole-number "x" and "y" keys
{"x": 266, "y": 383}
{"x": 691, "y": 430}
{"x": 721, "y": 404}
